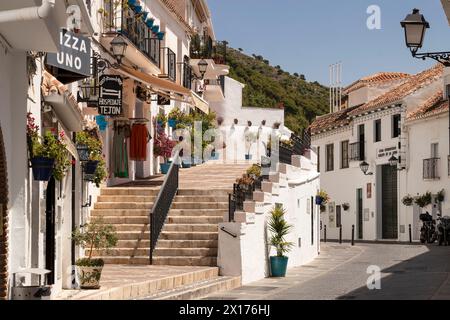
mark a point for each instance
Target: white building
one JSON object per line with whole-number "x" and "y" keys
{"x": 375, "y": 125}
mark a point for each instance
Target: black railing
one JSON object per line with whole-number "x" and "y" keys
{"x": 161, "y": 207}
{"x": 123, "y": 20}
{"x": 203, "y": 47}
{"x": 299, "y": 145}
{"x": 431, "y": 169}
{"x": 356, "y": 151}
{"x": 242, "y": 193}
{"x": 448, "y": 162}
{"x": 187, "y": 75}
{"x": 169, "y": 67}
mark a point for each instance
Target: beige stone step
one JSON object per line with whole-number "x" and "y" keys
{"x": 120, "y": 252}
{"x": 129, "y": 191}
{"x": 185, "y": 261}
{"x": 191, "y": 227}
{"x": 143, "y": 243}
{"x": 133, "y": 227}
{"x": 199, "y": 198}
{"x": 133, "y": 235}
{"x": 194, "y": 220}
{"x": 141, "y": 220}
{"x": 199, "y": 290}
{"x": 119, "y": 212}
{"x": 169, "y": 235}
{"x": 185, "y": 252}
{"x": 187, "y": 243}
{"x": 119, "y": 198}
{"x": 122, "y": 205}
{"x": 200, "y": 205}
{"x": 191, "y": 191}
{"x": 142, "y": 260}
{"x": 198, "y": 212}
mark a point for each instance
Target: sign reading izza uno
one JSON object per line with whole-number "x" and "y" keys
{"x": 74, "y": 53}
{"x": 110, "y": 95}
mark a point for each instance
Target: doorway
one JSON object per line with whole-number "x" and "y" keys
{"x": 359, "y": 212}
{"x": 389, "y": 206}
{"x": 50, "y": 207}
{"x": 3, "y": 221}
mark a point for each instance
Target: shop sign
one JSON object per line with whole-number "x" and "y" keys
{"x": 386, "y": 152}
{"x": 110, "y": 95}
{"x": 163, "y": 101}
{"x": 74, "y": 53}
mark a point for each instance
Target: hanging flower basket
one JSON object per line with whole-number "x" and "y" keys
{"x": 408, "y": 200}
{"x": 90, "y": 167}
{"x": 83, "y": 152}
{"x": 319, "y": 200}
{"x": 42, "y": 168}
{"x": 346, "y": 206}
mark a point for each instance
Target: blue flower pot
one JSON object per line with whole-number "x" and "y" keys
{"x": 248, "y": 157}
{"x": 172, "y": 123}
{"x": 90, "y": 167}
{"x": 155, "y": 29}
{"x": 150, "y": 22}
{"x": 137, "y": 9}
{"x": 186, "y": 165}
{"x": 215, "y": 156}
{"x": 42, "y": 168}
{"x": 160, "y": 35}
{"x": 319, "y": 201}
{"x": 132, "y": 2}
{"x": 278, "y": 266}
{"x": 164, "y": 167}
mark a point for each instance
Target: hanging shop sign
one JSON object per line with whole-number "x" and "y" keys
{"x": 110, "y": 95}
{"x": 73, "y": 59}
{"x": 163, "y": 101}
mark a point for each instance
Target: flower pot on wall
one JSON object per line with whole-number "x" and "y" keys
{"x": 164, "y": 167}
{"x": 248, "y": 157}
{"x": 89, "y": 277}
{"x": 319, "y": 201}
{"x": 42, "y": 168}
{"x": 278, "y": 266}
{"x": 90, "y": 167}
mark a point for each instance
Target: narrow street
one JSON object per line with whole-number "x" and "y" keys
{"x": 414, "y": 272}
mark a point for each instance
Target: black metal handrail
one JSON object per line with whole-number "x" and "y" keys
{"x": 203, "y": 47}
{"x": 431, "y": 168}
{"x": 161, "y": 207}
{"x": 242, "y": 193}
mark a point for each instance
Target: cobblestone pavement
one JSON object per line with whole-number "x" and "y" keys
{"x": 414, "y": 272}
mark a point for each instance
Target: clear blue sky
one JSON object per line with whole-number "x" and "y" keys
{"x": 306, "y": 36}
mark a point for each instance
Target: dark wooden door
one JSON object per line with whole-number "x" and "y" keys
{"x": 359, "y": 204}
{"x": 50, "y": 230}
{"x": 389, "y": 203}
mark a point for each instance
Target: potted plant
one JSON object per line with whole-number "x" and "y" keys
{"x": 163, "y": 147}
{"x": 408, "y": 200}
{"x": 423, "y": 200}
{"x": 440, "y": 197}
{"x": 90, "y": 151}
{"x": 254, "y": 171}
{"x": 322, "y": 198}
{"x": 346, "y": 206}
{"x": 279, "y": 229}
{"x": 250, "y": 139}
{"x": 245, "y": 182}
{"x": 161, "y": 121}
{"x": 93, "y": 236}
{"x": 174, "y": 117}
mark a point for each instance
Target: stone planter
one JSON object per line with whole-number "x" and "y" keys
{"x": 89, "y": 277}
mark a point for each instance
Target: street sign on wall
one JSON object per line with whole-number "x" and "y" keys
{"x": 74, "y": 54}
{"x": 163, "y": 101}
{"x": 110, "y": 95}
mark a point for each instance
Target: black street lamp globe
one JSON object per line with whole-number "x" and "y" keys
{"x": 364, "y": 166}
{"x": 415, "y": 26}
{"x": 85, "y": 89}
{"x": 393, "y": 161}
{"x": 118, "y": 48}
{"x": 202, "y": 67}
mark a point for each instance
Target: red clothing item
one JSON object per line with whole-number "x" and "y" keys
{"x": 138, "y": 142}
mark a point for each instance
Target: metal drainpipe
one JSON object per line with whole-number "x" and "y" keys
{"x": 26, "y": 14}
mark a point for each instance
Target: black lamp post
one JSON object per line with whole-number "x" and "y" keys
{"x": 202, "y": 67}
{"x": 364, "y": 166}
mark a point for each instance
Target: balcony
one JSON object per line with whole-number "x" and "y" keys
{"x": 168, "y": 65}
{"x": 214, "y": 89}
{"x": 431, "y": 169}
{"x": 357, "y": 151}
{"x": 214, "y": 52}
{"x": 123, "y": 20}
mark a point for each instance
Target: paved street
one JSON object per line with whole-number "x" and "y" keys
{"x": 407, "y": 272}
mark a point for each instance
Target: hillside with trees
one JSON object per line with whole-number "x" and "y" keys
{"x": 270, "y": 86}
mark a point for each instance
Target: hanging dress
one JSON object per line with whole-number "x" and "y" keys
{"x": 140, "y": 137}
{"x": 120, "y": 152}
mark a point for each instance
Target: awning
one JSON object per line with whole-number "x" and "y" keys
{"x": 154, "y": 82}
{"x": 200, "y": 103}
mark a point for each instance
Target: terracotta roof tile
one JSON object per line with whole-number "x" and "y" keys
{"x": 177, "y": 8}
{"x": 433, "y": 106}
{"x": 331, "y": 121}
{"x": 376, "y": 78}
{"x": 395, "y": 95}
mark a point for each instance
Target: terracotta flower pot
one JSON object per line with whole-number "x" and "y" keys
{"x": 89, "y": 277}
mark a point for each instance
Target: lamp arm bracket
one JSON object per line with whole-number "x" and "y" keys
{"x": 441, "y": 57}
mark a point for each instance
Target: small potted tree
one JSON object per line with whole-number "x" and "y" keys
{"x": 279, "y": 229}
{"x": 163, "y": 147}
{"x": 93, "y": 236}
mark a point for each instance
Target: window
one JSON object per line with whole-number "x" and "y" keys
{"x": 396, "y": 119}
{"x": 344, "y": 154}
{"x": 435, "y": 150}
{"x": 318, "y": 159}
{"x": 362, "y": 141}
{"x": 330, "y": 157}
{"x": 377, "y": 131}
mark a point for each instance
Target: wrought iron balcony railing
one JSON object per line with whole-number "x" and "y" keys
{"x": 357, "y": 152}
{"x": 123, "y": 20}
{"x": 169, "y": 64}
{"x": 203, "y": 47}
{"x": 187, "y": 75}
{"x": 431, "y": 169}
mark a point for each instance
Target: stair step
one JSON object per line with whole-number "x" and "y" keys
{"x": 200, "y": 198}
{"x": 200, "y": 205}
{"x": 121, "y": 198}
{"x": 189, "y": 235}
{"x": 129, "y": 191}
{"x": 120, "y": 212}
{"x": 198, "y": 290}
{"x": 186, "y": 243}
{"x": 133, "y": 227}
{"x": 212, "y": 192}
{"x": 143, "y": 260}
{"x": 134, "y": 243}
{"x": 133, "y": 235}
{"x": 185, "y": 261}
{"x": 123, "y": 205}
{"x": 191, "y": 227}
{"x": 140, "y": 220}
{"x": 198, "y": 212}
{"x": 194, "y": 219}
{"x": 185, "y": 252}
{"x": 121, "y": 252}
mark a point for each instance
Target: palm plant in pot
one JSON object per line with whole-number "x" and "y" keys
{"x": 279, "y": 229}
{"x": 93, "y": 236}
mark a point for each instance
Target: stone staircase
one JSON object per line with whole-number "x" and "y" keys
{"x": 190, "y": 234}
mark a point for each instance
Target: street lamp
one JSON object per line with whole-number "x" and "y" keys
{"x": 118, "y": 48}
{"x": 415, "y": 26}
{"x": 364, "y": 166}
{"x": 202, "y": 67}
{"x": 393, "y": 162}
